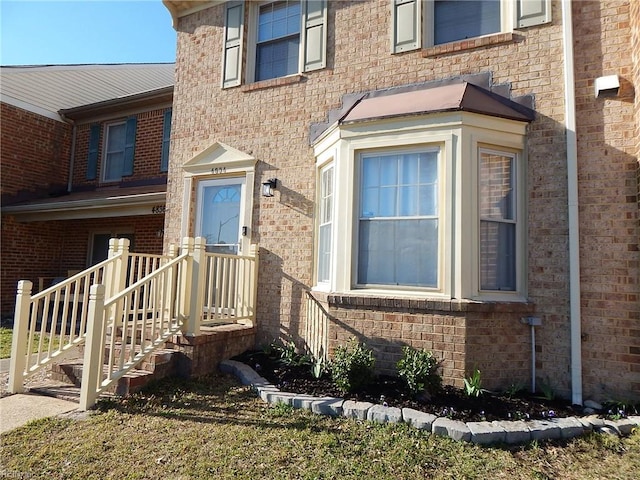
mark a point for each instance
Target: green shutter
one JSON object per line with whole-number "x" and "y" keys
{"x": 166, "y": 137}
{"x": 92, "y": 159}
{"x": 532, "y": 12}
{"x": 315, "y": 35}
{"x": 406, "y": 16}
{"x": 129, "y": 146}
{"x": 233, "y": 35}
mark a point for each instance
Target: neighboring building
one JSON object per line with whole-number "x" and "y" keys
{"x": 455, "y": 178}
{"x": 84, "y": 158}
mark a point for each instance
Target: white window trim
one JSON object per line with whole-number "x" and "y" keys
{"x": 324, "y": 165}
{"x": 103, "y": 173}
{"x": 252, "y": 37}
{"x": 419, "y": 148}
{"x": 459, "y": 136}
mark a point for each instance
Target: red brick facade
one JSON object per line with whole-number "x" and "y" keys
{"x": 35, "y": 163}
{"x": 271, "y": 121}
{"x": 35, "y": 152}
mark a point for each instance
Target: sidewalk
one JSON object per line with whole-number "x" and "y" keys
{"x": 16, "y": 410}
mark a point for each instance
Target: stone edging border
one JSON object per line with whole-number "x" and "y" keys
{"x": 485, "y": 433}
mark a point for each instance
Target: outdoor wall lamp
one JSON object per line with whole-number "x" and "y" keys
{"x": 269, "y": 186}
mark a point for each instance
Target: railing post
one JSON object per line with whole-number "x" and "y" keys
{"x": 196, "y": 300}
{"x": 94, "y": 350}
{"x": 186, "y": 277}
{"x": 18, "y": 360}
{"x": 255, "y": 253}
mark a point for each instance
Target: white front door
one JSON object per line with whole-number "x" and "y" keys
{"x": 220, "y": 214}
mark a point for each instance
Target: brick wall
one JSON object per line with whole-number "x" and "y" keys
{"x": 35, "y": 152}
{"x": 607, "y": 173}
{"x": 148, "y": 149}
{"x": 464, "y": 335}
{"x": 58, "y": 246}
{"x": 271, "y": 122}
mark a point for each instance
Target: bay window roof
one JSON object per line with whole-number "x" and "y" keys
{"x": 463, "y": 96}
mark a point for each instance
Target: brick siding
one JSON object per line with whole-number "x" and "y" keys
{"x": 271, "y": 122}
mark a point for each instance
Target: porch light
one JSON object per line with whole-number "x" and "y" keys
{"x": 268, "y": 187}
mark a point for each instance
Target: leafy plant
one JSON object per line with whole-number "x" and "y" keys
{"x": 318, "y": 368}
{"x": 288, "y": 356}
{"x": 352, "y": 366}
{"x": 419, "y": 369}
{"x": 618, "y": 409}
{"x": 473, "y": 384}
{"x": 514, "y": 389}
{"x": 546, "y": 389}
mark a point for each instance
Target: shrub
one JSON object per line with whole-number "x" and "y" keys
{"x": 352, "y": 366}
{"x": 419, "y": 369}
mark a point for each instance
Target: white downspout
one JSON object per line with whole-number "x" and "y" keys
{"x": 72, "y": 155}
{"x": 572, "y": 204}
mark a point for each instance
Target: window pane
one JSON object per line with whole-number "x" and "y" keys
{"x": 496, "y": 186}
{"x": 393, "y": 250}
{"x": 113, "y": 166}
{"x": 114, "y": 155}
{"x": 326, "y": 225}
{"x": 398, "y": 252}
{"x": 278, "y": 45}
{"x": 277, "y": 59}
{"x": 457, "y": 20}
{"x": 497, "y": 256}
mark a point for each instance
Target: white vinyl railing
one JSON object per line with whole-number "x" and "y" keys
{"x": 316, "y": 331}
{"x": 126, "y": 307}
{"x": 130, "y": 325}
{"x": 230, "y": 288}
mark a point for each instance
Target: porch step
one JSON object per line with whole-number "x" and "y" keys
{"x": 159, "y": 364}
{"x": 131, "y": 382}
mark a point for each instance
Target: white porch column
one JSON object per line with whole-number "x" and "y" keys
{"x": 19, "y": 353}
{"x": 94, "y": 349}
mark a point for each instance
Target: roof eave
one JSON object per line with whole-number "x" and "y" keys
{"x": 139, "y": 100}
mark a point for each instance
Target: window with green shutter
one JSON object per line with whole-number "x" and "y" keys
{"x": 119, "y": 151}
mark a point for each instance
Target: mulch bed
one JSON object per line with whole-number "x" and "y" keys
{"x": 451, "y": 402}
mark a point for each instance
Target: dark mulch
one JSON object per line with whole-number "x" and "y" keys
{"x": 451, "y": 402}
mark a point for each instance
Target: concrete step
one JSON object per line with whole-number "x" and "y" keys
{"x": 71, "y": 374}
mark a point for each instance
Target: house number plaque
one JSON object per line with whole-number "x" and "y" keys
{"x": 218, "y": 170}
{"x": 158, "y": 209}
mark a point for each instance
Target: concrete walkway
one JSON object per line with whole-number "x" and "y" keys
{"x": 16, "y": 410}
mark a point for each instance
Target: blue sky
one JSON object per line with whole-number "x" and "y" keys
{"x": 46, "y": 32}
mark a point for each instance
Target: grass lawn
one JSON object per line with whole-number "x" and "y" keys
{"x": 214, "y": 428}
{"x": 5, "y": 342}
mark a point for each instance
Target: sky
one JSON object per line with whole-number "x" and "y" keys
{"x": 50, "y": 32}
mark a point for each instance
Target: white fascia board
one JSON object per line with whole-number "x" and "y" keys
{"x": 4, "y": 98}
{"x": 122, "y": 206}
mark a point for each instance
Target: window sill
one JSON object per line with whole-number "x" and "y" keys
{"x": 427, "y": 304}
{"x": 469, "y": 44}
{"x": 272, "y": 82}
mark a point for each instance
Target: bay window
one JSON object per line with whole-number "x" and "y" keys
{"x": 422, "y": 204}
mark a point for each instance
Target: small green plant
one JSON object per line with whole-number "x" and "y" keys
{"x": 288, "y": 356}
{"x": 473, "y": 384}
{"x": 618, "y": 409}
{"x": 546, "y": 390}
{"x": 419, "y": 369}
{"x": 352, "y": 366}
{"x": 318, "y": 368}
{"x": 514, "y": 389}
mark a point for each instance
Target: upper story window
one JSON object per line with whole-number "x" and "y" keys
{"x": 285, "y": 37}
{"x": 278, "y": 43}
{"x": 475, "y": 18}
{"x": 425, "y": 23}
{"x": 118, "y": 151}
